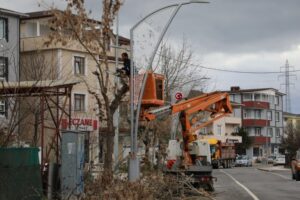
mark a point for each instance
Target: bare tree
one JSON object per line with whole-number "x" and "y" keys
{"x": 180, "y": 74}
{"x": 178, "y": 69}
{"x": 73, "y": 24}
{"x": 22, "y": 113}
{"x": 291, "y": 140}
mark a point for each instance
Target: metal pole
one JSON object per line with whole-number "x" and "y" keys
{"x": 117, "y": 113}
{"x": 57, "y": 126}
{"x": 134, "y": 163}
{"x": 134, "y": 168}
{"x": 42, "y": 131}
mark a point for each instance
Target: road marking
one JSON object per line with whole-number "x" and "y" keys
{"x": 282, "y": 176}
{"x": 241, "y": 185}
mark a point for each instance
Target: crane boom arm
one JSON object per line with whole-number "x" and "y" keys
{"x": 217, "y": 103}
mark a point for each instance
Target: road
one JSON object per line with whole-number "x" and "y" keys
{"x": 249, "y": 183}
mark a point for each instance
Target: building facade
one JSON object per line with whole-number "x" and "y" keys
{"x": 63, "y": 63}
{"x": 262, "y": 117}
{"x": 226, "y": 127}
{"x": 291, "y": 119}
{"x": 9, "y": 51}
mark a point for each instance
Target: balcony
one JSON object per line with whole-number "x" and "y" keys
{"x": 256, "y": 104}
{"x": 256, "y": 122}
{"x": 233, "y": 120}
{"x": 260, "y": 140}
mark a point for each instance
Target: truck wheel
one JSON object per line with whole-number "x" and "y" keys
{"x": 297, "y": 176}
{"x": 210, "y": 187}
{"x": 293, "y": 176}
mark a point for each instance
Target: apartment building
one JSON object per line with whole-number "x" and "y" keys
{"x": 225, "y": 128}
{"x": 291, "y": 119}
{"x": 262, "y": 118}
{"x": 9, "y": 51}
{"x": 63, "y": 63}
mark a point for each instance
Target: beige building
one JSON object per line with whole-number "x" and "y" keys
{"x": 57, "y": 62}
{"x": 291, "y": 119}
{"x": 225, "y": 128}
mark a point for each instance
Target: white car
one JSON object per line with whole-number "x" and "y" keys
{"x": 243, "y": 161}
{"x": 279, "y": 160}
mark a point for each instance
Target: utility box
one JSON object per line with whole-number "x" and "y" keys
{"x": 72, "y": 164}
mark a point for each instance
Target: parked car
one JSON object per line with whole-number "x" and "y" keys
{"x": 243, "y": 160}
{"x": 271, "y": 159}
{"x": 279, "y": 160}
{"x": 295, "y": 166}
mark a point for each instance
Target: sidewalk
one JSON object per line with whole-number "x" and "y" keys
{"x": 271, "y": 168}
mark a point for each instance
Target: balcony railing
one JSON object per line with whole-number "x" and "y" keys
{"x": 233, "y": 120}
{"x": 256, "y": 122}
{"x": 256, "y": 104}
{"x": 260, "y": 139}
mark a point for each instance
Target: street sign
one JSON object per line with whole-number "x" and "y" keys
{"x": 178, "y": 95}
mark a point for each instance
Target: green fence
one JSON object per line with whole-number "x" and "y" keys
{"x": 20, "y": 175}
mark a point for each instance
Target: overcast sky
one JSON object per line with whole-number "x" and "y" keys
{"x": 256, "y": 35}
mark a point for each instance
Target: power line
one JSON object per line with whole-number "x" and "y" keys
{"x": 244, "y": 72}
{"x": 224, "y": 70}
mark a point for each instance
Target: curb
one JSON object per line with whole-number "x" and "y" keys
{"x": 271, "y": 170}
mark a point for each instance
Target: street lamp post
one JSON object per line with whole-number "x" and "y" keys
{"x": 134, "y": 170}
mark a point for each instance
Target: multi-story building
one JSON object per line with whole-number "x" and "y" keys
{"x": 9, "y": 50}
{"x": 291, "y": 119}
{"x": 262, "y": 118}
{"x": 67, "y": 62}
{"x": 225, "y": 128}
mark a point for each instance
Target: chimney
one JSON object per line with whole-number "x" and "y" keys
{"x": 234, "y": 88}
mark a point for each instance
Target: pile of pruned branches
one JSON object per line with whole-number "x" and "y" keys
{"x": 151, "y": 186}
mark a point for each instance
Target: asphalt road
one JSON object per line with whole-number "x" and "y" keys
{"x": 249, "y": 183}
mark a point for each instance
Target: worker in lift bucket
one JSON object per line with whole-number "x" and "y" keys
{"x": 126, "y": 65}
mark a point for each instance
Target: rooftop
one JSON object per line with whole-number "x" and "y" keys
{"x": 34, "y": 88}
{"x": 291, "y": 114}
{"x": 237, "y": 89}
{"x": 49, "y": 13}
{"x": 12, "y": 12}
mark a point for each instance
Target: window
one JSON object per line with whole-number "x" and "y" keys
{"x": 79, "y": 102}
{"x": 277, "y": 116}
{"x": 79, "y": 65}
{"x": 232, "y": 97}
{"x": 3, "y": 28}
{"x": 2, "y": 108}
{"x": 203, "y": 131}
{"x": 257, "y": 97}
{"x": 276, "y": 100}
{"x": 269, "y": 115}
{"x": 277, "y": 132}
{"x": 257, "y": 114}
{"x": 3, "y": 68}
{"x": 258, "y": 131}
{"x": 264, "y": 97}
{"x": 270, "y": 132}
{"x": 245, "y": 114}
{"x": 219, "y": 129}
{"x": 248, "y": 97}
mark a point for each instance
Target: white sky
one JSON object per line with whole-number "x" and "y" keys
{"x": 256, "y": 35}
